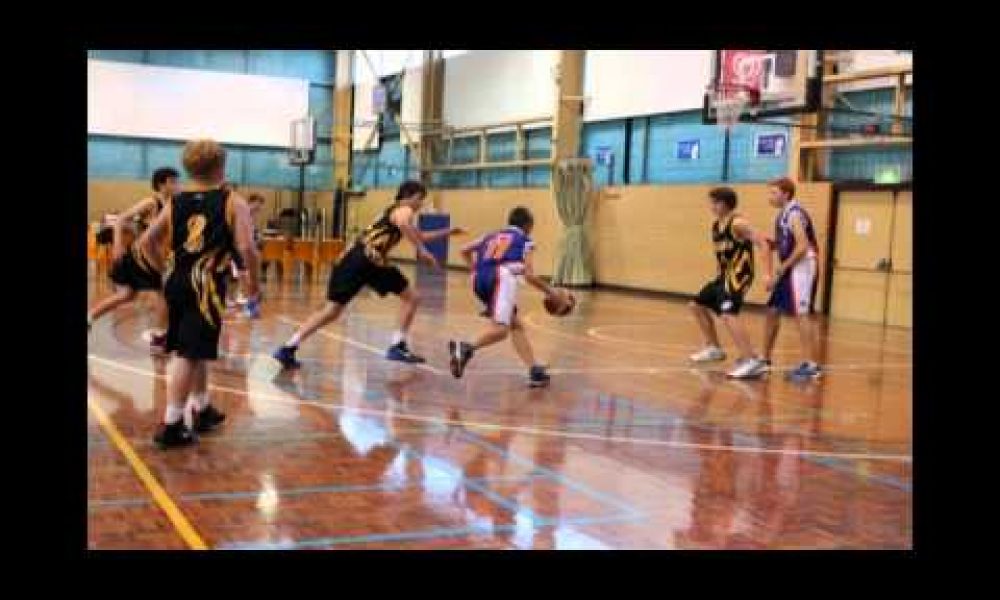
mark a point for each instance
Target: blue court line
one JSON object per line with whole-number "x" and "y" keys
{"x": 844, "y": 466}
{"x": 298, "y": 491}
{"x": 557, "y": 477}
{"x": 322, "y": 542}
{"x": 475, "y": 485}
{"x": 402, "y": 536}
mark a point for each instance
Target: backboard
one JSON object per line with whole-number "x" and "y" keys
{"x": 789, "y": 82}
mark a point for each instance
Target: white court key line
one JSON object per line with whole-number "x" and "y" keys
{"x": 362, "y": 345}
{"x": 526, "y": 430}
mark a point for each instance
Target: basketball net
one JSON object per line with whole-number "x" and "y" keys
{"x": 731, "y": 102}
{"x": 738, "y": 88}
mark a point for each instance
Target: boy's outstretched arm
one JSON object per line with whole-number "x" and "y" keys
{"x": 401, "y": 218}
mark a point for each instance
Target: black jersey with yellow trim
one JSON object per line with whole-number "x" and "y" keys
{"x": 734, "y": 255}
{"x": 379, "y": 238}
{"x": 202, "y": 243}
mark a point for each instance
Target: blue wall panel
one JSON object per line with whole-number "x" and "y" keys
{"x": 502, "y": 147}
{"x": 233, "y": 61}
{"x": 745, "y": 165}
{"x": 315, "y": 65}
{"x": 609, "y": 134}
{"x": 165, "y": 153}
{"x": 539, "y": 145}
{"x": 133, "y": 56}
{"x": 865, "y": 163}
{"x": 637, "y": 150}
{"x": 116, "y": 158}
{"x": 663, "y": 166}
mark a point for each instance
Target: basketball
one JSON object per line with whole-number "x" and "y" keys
{"x": 560, "y": 304}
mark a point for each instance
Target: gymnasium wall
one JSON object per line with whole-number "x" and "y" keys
{"x": 650, "y": 237}
{"x": 657, "y": 237}
{"x": 133, "y": 159}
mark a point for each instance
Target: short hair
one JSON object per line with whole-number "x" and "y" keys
{"x": 724, "y": 195}
{"x": 411, "y": 188}
{"x": 161, "y": 175}
{"x": 520, "y": 217}
{"x": 204, "y": 159}
{"x": 255, "y": 198}
{"x": 785, "y": 185}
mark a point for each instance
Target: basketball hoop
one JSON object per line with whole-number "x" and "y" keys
{"x": 731, "y": 101}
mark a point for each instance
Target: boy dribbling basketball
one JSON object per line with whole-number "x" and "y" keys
{"x": 496, "y": 260}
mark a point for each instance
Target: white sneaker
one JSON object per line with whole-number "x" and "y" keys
{"x": 708, "y": 354}
{"x": 748, "y": 368}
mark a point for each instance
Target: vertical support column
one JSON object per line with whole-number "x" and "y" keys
{"x": 899, "y": 105}
{"x": 343, "y": 115}
{"x": 430, "y": 115}
{"x": 808, "y": 165}
{"x": 569, "y": 104}
{"x": 569, "y": 266}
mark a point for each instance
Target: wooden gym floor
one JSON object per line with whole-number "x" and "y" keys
{"x": 630, "y": 447}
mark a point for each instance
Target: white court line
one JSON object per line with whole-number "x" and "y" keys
{"x": 591, "y": 337}
{"x": 526, "y": 430}
{"x": 362, "y": 345}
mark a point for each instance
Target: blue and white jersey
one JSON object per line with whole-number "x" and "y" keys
{"x": 506, "y": 247}
{"x": 783, "y": 236}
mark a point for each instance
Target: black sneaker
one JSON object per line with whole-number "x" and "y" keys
{"x": 286, "y": 356}
{"x": 460, "y": 353}
{"x": 207, "y": 419}
{"x": 402, "y": 353}
{"x": 174, "y": 436}
{"x": 537, "y": 377}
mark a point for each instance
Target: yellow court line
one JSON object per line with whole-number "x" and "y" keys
{"x": 160, "y": 496}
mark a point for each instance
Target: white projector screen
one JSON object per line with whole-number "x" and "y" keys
{"x": 630, "y": 83}
{"x": 132, "y": 100}
{"x": 491, "y": 86}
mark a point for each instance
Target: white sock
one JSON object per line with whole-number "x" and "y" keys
{"x": 198, "y": 401}
{"x": 397, "y": 337}
{"x": 173, "y": 414}
{"x": 293, "y": 342}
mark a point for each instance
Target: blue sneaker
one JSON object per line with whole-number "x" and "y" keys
{"x": 804, "y": 372}
{"x": 286, "y": 356}
{"x": 402, "y": 353}
{"x": 251, "y": 309}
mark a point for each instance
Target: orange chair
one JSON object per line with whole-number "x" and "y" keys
{"x": 274, "y": 252}
{"x": 328, "y": 253}
{"x": 304, "y": 251}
